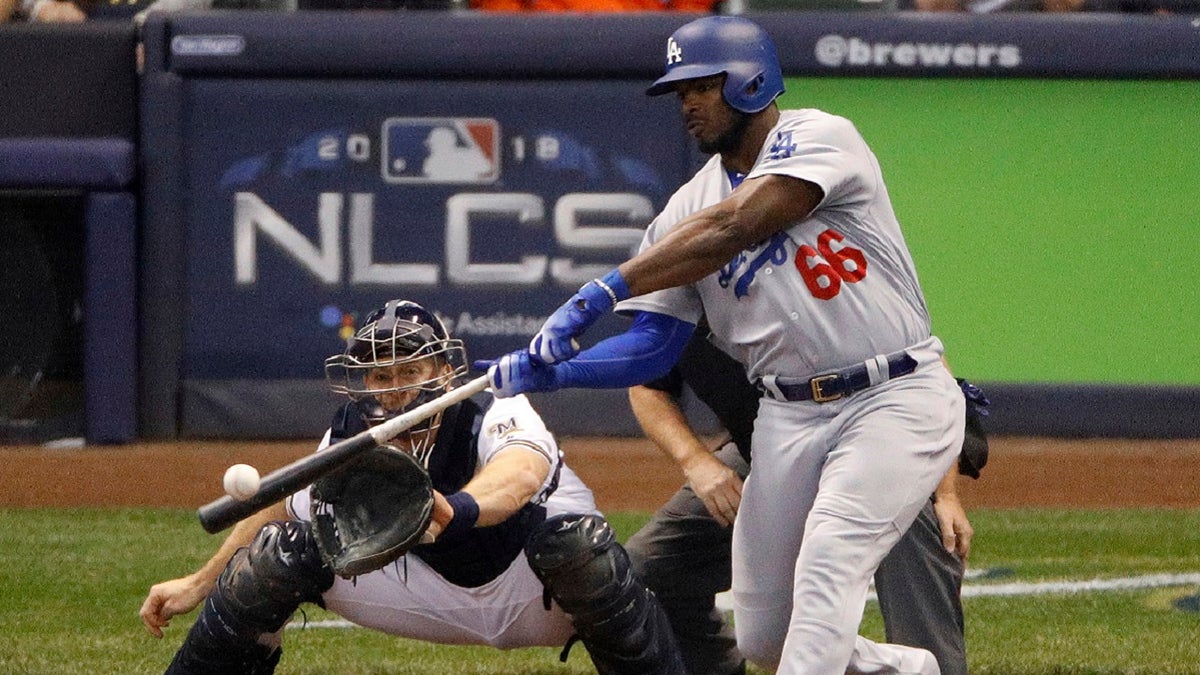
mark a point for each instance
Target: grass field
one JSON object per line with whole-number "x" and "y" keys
{"x": 71, "y": 582}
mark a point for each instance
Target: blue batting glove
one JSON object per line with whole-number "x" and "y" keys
{"x": 556, "y": 340}
{"x": 518, "y": 373}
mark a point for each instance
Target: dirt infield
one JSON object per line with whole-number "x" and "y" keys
{"x": 626, "y": 474}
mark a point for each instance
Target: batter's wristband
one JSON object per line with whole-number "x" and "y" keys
{"x": 614, "y": 285}
{"x": 612, "y": 296}
{"x": 466, "y": 512}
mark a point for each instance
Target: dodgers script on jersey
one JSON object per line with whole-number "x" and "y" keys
{"x": 830, "y": 291}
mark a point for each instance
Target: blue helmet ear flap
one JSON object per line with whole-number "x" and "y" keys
{"x": 732, "y": 45}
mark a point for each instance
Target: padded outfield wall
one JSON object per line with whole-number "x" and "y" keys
{"x": 1041, "y": 167}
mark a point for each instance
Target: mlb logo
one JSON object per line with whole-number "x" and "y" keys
{"x": 441, "y": 150}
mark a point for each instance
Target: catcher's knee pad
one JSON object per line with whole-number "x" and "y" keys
{"x": 264, "y": 583}
{"x": 261, "y": 586}
{"x": 578, "y": 560}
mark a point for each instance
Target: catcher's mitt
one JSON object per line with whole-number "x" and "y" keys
{"x": 371, "y": 511}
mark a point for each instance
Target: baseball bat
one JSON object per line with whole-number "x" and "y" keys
{"x": 225, "y": 512}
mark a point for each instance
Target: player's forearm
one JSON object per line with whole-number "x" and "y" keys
{"x": 507, "y": 484}
{"x": 707, "y": 240}
{"x": 948, "y": 487}
{"x": 644, "y": 352}
{"x": 698, "y": 246}
{"x": 664, "y": 423}
{"x": 242, "y": 534}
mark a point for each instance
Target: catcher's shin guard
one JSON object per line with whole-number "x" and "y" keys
{"x": 259, "y": 590}
{"x": 586, "y": 571}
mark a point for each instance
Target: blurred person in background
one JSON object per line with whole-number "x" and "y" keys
{"x": 47, "y": 11}
{"x": 1054, "y": 6}
{"x": 295, "y": 5}
{"x": 706, "y": 6}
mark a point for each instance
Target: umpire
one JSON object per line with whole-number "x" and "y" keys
{"x": 683, "y": 553}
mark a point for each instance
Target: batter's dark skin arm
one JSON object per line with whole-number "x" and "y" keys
{"x": 704, "y": 241}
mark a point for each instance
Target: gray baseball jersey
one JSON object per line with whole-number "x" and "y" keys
{"x": 827, "y": 292}
{"x": 834, "y": 483}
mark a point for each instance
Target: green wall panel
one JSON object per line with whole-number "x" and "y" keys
{"x": 1053, "y": 221}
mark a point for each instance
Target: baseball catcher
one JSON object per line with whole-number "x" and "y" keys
{"x": 470, "y": 517}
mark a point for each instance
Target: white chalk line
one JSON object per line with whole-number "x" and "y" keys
{"x": 1046, "y": 587}
{"x": 1049, "y": 587}
{"x": 725, "y": 600}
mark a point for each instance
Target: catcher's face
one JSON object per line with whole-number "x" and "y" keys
{"x": 397, "y": 385}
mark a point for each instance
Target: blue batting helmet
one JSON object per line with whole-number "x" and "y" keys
{"x": 732, "y": 45}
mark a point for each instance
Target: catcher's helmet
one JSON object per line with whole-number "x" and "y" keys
{"x": 732, "y": 45}
{"x": 402, "y": 353}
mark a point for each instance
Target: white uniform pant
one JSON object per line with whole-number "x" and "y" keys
{"x": 410, "y": 600}
{"x": 832, "y": 488}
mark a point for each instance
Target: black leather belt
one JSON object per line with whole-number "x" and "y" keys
{"x": 835, "y": 385}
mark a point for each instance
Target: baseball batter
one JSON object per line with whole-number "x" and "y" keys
{"x": 786, "y": 240}
{"x": 512, "y": 528}
{"x": 683, "y": 552}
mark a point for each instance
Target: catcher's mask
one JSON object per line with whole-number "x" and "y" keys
{"x": 400, "y": 358}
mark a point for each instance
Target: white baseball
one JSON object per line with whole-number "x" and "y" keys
{"x": 241, "y": 481}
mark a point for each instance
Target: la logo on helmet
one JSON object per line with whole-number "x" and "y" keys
{"x": 674, "y": 53}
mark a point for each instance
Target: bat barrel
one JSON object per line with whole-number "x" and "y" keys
{"x": 227, "y": 511}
